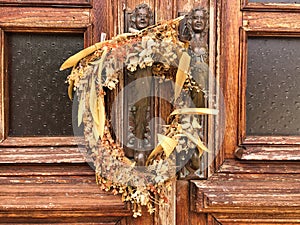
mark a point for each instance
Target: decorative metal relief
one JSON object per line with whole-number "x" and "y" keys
{"x": 194, "y": 29}
{"x": 139, "y": 132}
{"x": 140, "y": 18}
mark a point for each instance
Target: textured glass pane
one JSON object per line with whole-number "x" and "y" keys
{"x": 39, "y": 103}
{"x": 273, "y": 81}
{"x": 276, "y": 1}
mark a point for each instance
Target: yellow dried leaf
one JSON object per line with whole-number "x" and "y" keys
{"x": 201, "y": 147}
{"x": 181, "y": 75}
{"x": 100, "y": 66}
{"x": 197, "y": 141}
{"x": 101, "y": 116}
{"x": 168, "y": 144}
{"x": 81, "y": 107}
{"x": 128, "y": 161}
{"x": 195, "y": 123}
{"x": 199, "y": 111}
{"x": 157, "y": 150}
{"x": 70, "y": 89}
{"x": 96, "y": 131}
{"x": 73, "y": 60}
{"x": 93, "y": 101}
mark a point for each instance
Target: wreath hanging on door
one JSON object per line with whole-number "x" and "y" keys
{"x": 96, "y": 70}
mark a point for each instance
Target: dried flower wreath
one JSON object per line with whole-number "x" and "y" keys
{"x": 97, "y": 69}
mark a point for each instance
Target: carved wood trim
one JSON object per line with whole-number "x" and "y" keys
{"x": 259, "y": 167}
{"x": 268, "y": 153}
{"x": 47, "y": 3}
{"x": 56, "y": 193}
{"x": 38, "y": 17}
{"x": 260, "y": 22}
{"x": 247, "y": 194}
{"x": 2, "y": 86}
{"x": 42, "y": 155}
{"x": 248, "y": 219}
{"x": 40, "y": 141}
{"x": 260, "y": 6}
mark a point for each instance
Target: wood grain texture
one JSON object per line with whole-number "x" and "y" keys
{"x": 183, "y": 214}
{"x": 41, "y": 141}
{"x": 168, "y": 12}
{"x": 267, "y": 7}
{"x": 72, "y": 3}
{"x": 276, "y": 21}
{"x": 34, "y": 17}
{"x": 40, "y": 193}
{"x": 248, "y": 194}
{"x": 259, "y": 167}
{"x": 259, "y": 219}
{"x": 268, "y": 153}
{"x": 2, "y": 85}
{"x": 42, "y": 155}
{"x": 231, "y": 20}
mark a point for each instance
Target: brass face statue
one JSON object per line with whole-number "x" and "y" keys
{"x": 141, "y": 18}
{"x": 198, "y": 20}
{"x": 195, "y": 32}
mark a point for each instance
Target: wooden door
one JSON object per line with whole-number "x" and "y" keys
{"x": 254, "y": 178}
{"x": 256, "y": 175}
{"x": 43, "y": 175}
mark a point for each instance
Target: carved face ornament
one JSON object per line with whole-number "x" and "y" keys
{"x": 142, "y": 19}
{"x": 198, "y": 21}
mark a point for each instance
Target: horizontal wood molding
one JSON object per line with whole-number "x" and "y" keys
{"x": 264, "y": 6}
{"x": 268, "y": 153}
{"x": 266, "y": 21}
{"x": 41, "y": 141}
{"x": 33, "y": 17}
{"x": 42, "y": 155}
{"x": 47, "y": 3}
{"x": 258, "y": 219}
{"x": 56, "y": 193}
{"x": 275, "y": 193}
{"x": 259, "y": 167}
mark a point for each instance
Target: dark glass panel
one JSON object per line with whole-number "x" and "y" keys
{"x": 38, "y": 99}
{"x": 273, "y": 81}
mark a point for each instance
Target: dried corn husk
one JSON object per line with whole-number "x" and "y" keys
{"x": 81, "y": 108}
{"x": 197, "y": 141}
{"x": 168, "y": 144}
{"x": 102, "y": 116}
{"x": 70, "y": 89}
{"x": 93, "y": 101}
{"x": 199, "y": 111}
{"x": 181, "y": 75}
{"x": 157, "y": 150}
{"x": 73, "y": 60}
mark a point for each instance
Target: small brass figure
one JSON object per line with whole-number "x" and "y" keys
{"x": 141, "y": 18}
{"x": 195, "y": 32}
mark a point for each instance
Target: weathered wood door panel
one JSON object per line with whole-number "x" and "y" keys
{"x": 256, "y": 175}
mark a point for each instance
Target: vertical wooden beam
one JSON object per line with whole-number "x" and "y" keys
{"x": 99, "y": 19}
{"x": 184, "y": 216}
{"x": 2, "y": 87}
{"x": 229, "y": 35}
